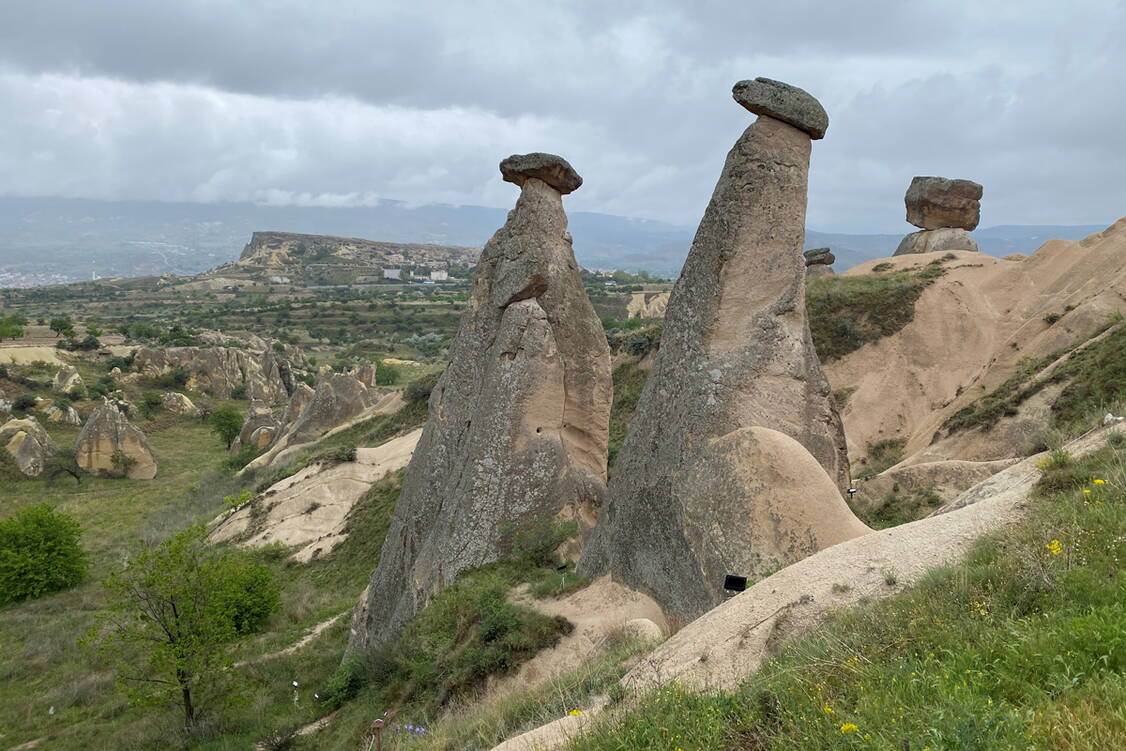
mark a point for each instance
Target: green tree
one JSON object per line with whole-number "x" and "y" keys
{"x": 62, "y": 326}
{"x": 93, "y": 330}
{"x": 226, "y": 422}
{"x": 173, "y": 615}
{"x": 39, "y": 553}
{"x": 10, "y": 328}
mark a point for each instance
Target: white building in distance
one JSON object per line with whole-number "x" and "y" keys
{"x": 392, "y": 274}
{"x": 439, "y": 275}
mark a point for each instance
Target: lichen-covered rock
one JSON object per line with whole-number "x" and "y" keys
{"x": 938, "y": 202}
{"x": 258, "y": 429}
{"x": 66, "y": 379}
{"x": 518, "y": 422}
{"x": 736, "y": 358}
{"x": 769, "y": 98}
{"x": 337, "y": 398}
{"x": 67, "y": 415}
{"x": 28, "y": 443}
{"x": 219, "y": 371}
{"x": 110, "y": 444}
{"x": 930, "y": 240}
{"x": 179, "y": 404}
{"x": 551, "y": 169}
{"x": 819, "y": 256}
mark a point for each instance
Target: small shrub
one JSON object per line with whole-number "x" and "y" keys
{"x": 239, "y": 392}
{"x": 39, "y": 554}
{"x": 122, "y": 463}
{"x": 386, "y": 375}
{"x": 1052, "y": 318}
{"x": 418, "y": 390}
{"x": 23, "y": 403}
{"x": 176, "y": 378}
{"x": 151, "y": 402}
{"x": 881, "y": 456}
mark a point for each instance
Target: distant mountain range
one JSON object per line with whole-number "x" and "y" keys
{"x": 44, "y": 240}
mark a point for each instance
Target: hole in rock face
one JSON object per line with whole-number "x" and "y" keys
{"x": 539, "y": 430}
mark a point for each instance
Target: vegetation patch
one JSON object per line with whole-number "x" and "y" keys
{"x": 882, "y": 455}
{"x": 899, "y": 507}
{"x": 1020, "y": 646}
{"x": 847, "y": 312}
{"x": 1095, "y": 375}
{"x": 629, "y": 380}
{"x": 39, "y": 554}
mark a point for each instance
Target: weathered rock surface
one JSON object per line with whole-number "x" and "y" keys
{"x": 67, "y": 415}
{"x": 736, "y": 357}
{"x": 219, "y": 371}
{"x": 938, "y": 202}
{"x": 258, "y": 429}
{"x": 553, "y": 170}
{"x": 108, "y": 431}
{"x": 337, "y": 398}
{"x": 28, "y": 443}
{"x": 518, "y": 421}
{"x": 930, "y": 240}
{"x": 179, "y": 404}
{"x": 818, "y": 262}
{"x": 66, "y": 378}
{"x": 781, "y": 101}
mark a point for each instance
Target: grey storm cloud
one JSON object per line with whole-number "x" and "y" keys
{"x": 344, "y": 103}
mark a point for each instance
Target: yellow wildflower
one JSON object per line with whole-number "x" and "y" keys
{"x": 1100, "y": 482}
{"x": 1054, "y": 547}
{"x": 575, "y": 712}
{"x": 849, "y": 727}
{"x": 827, "y": 709}
{"x": 1087, "y": 491}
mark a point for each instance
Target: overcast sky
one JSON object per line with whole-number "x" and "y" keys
{"x": 343, "y": 103}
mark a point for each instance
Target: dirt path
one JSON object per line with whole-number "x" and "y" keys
{"x": 311, "y": 634}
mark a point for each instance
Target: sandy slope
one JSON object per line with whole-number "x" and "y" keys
{"x": 971, "y": 329}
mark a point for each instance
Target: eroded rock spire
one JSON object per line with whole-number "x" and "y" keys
{"x": 736, "y": 452}
{"x": 518, "y": 424}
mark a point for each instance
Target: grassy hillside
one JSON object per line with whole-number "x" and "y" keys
{"x": 1022, "y": 646}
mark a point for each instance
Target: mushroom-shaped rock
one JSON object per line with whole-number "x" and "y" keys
{"x": 938, "y": 202}
{"x": 179, "y": 404}
{"x": 518, "y": 426}
{"x": 781, "y": 101}
{"x": 819, "y": 256}
{"x": 736, "y": 359}
{"x": 66, "y": 378}
{"x": 930, "y": 240}
{"x": 553, "y": 170}
{"x": 111, "y": 444}
{"x": 28, "y": 443}
{"x": 260, "y": 416}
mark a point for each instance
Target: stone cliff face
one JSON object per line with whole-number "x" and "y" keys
{"x": 519, "y": 419}
{"x": 218, "y": 371}
{"x": 737, "y": 400}
{"x": 279, "y": 249}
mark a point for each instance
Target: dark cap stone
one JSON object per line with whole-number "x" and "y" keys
{"x": 784, "y": 102}
{"x": 553, "y": 170}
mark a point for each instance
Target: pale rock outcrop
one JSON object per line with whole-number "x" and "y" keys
{"x": 258, "y": 429}
{"x": 66, "y": 379}
{"x": 365, "y": 374}
{"x": 337, "y": 398}
{"x": 944, "y": 209}
{"x": 819, "y": 262}
{"x": 106, "y": 432}
{"x": 736, "y": 406}
{"x": 518, "y": 423}
{"x": 298, "y": 401}
{"x": 67, "y": 415}
{"x": 28, "y": 443}
{"x": 219, "y": 371}
{"x": 179, "y": 404}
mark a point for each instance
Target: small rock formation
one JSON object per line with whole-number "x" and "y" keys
{"x": 108, "y": 434}
{"x": 298, "y": 401}
{"x": 337, "y": 398}
{"x": 179, "y": 404}
{"x": 28, "y": 443}
{"x": 67, "y": 415}
{"x": 219, "y": 371}
{"x": 736, "y": 455}
{"x": 519, "y": 420}
{"x": 258, "y": 430}
{"x": 365, "y": 374}
{"x": 818, "y": 262}
{"x": 66, "y": 378}
{"x": 945, "y": 210}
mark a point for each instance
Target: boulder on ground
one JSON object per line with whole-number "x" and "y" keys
{"x": 518, "y": 428}
{"x": 258, "y": 429}
{"x": 929, "y": 240}
{"x": 692, "y": 496}
{"x": 66, "y": 378}
{"x": 67, "y": 415}
{"x": 110, "y": 444}
{"x": 939, "y": 202}
{"x": 179, "y": 404}
{"x": 28, "y": 443}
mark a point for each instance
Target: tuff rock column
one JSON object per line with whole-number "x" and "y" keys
{"x": 736, "y": 452}
{"x": 518, "y": 421}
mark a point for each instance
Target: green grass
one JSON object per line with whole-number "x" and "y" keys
{"x": 898, "y": 507}
{"x": 1021, "y": 646}
{"x": 629, "y": 380}
{"x": 882, "y": 455}
{"x": 1095, "y": 378}
{"x": 847, "y": 312}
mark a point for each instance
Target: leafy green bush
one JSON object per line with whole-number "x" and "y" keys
{"x": 39, "y": 554}
{"x": 151, "y": 401}
{"x": 176, "y": 378}
{"x": 882, "y": 455}
{"x": 239, "y": 392}
{"x": 418, "y": 390}
{"x": 386, "y": 375}
{"x": 23, "y": 403}
{"x": 629, "y": 380}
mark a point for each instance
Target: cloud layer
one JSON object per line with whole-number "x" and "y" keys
{"x": 342, "y": 103}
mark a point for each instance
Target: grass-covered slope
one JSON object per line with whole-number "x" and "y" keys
{"x": 1022, "y": 646}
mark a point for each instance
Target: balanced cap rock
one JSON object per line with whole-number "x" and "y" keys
{"x": 736, "y": 456}
{"x": 518, "y": 426}
{"x": 946, "y": 210}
